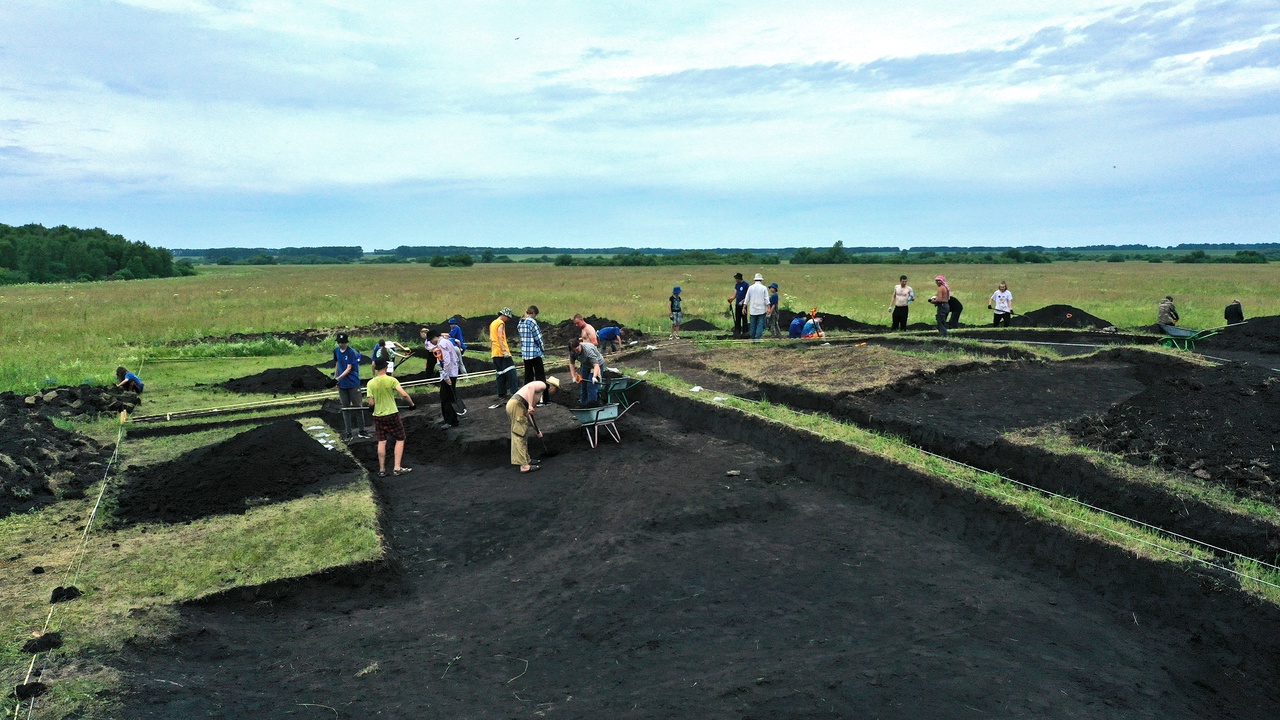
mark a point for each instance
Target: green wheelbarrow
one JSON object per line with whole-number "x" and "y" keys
{"x": 605, "y": 416}
{"x": 1184, "y": 338}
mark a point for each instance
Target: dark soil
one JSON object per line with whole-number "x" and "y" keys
{"x": 306, "y": 378}
{"x": 1259, "y": 335}
{"x": 697, "y": 325}
{"x": 87, "y": 401}
{"x": 560, "y": 335}
{"x": 40, "y": 462}
{"x": 640, "y": 580}
{"x": 833, "y": 323}
{"x": 1059, "y": 316}
{"x": 1220, "y": 424}
{"x": 274, "y": 462}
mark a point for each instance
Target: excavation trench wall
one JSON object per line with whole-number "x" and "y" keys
{"x": 1073, "y": 477}
{"x": 1186, "y": 599}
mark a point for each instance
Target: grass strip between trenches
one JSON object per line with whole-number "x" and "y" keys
{"x": 133, "y": 576}
{"x": 1255, "y": 578}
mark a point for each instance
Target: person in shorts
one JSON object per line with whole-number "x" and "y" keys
{"x": 386, "y": 416}
{"x": 676, "y": 306}
{"x": 520, "y": 409}
{"x": 346, "y": 370}
{"x": 903, "y": 294}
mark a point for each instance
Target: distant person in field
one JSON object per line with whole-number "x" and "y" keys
{"x": 738, "y": 303}
{"x": 591, "y": 370}
{"x": 676, "y": 305}
{"x": 757, "y": 304}
{"x": 500, "y": 352}
{"x": 586, "y": 332}
{"x": 610, "y": 338}
{"x": 346, "y": 369}
{"x": 520, "y": 409}
{"x": 1166, "y": 313}
{"x": 1001, "y": 304}
{"x": 386, "y": 416}
{"x": 903, "y": 295}
{"x": 455, "y": 334}
{"x": 129, "y": 382}
{"x": 1234, "y": 314}
{"x": 775, "y": 322}
{"x": 531, "y": 348}
{"x": 450, "y": 369}
{"x": 796, "y": 329}
{"x": 942, "y": 304}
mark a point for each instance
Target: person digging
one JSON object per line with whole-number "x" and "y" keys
{"x": 520, "y": 409}
{"x": 382, "y": 391}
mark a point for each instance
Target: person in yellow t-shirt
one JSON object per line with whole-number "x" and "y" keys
{"x": 382, "y": 391}
{"x": 503, "y": 366}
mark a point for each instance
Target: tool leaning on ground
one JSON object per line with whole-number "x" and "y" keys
{"x": 546, "y": 451}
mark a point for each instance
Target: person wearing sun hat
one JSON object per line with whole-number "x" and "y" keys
{"x": 757, "y": 305}
{"x": 676, "y": 305}
{"x": 775, "y": 323}
{"x": 500, "y": 352}
{"x": 520, "y": 408}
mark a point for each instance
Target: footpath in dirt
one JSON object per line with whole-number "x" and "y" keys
{"x": 632, "y": 581}
{"x": 271, "y": 463}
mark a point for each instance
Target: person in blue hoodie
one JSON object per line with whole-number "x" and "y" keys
{"x": 455, "y": 334}
{"x": 127, "y": 381}
{"x": 796, "y": 329}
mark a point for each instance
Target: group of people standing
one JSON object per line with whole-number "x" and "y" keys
{"x": 947, "y": 307}
{"x": 754, "y": 307}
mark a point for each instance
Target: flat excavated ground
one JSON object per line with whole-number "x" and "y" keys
{"x": 639, "y": 580}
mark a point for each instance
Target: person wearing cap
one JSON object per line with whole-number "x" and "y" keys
{"x": 455, "y": 334}
{"x": 676, "y": 305}
{"x": 346, "y": 370}
{"x": 520, "y": 408}
{"x": 757, "y": 305}
{"x": 1166, "y": 313}
{"x": 942, "y": 304}
{"x": 903, "y": 295}
{"x": 386, "y": 417}
{"x": 531, "y": 348}
{"x": 775, "y": 327}
{"x": 738, "y": 307}
{"x": 1234, "y": 314}
{"x": 504, "y": 367}
{"x": 450, "y": 369}
{"x": 591, "y": 373}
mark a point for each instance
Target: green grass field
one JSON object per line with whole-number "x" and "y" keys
{"x": 67, "y": 334}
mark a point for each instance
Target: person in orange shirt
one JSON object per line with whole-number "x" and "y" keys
{"x": 500, "y": 351}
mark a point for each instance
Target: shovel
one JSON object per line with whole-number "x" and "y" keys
{"x": 546, "y": 452}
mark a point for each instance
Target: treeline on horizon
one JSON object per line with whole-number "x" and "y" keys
{"x": 34, "y": 253}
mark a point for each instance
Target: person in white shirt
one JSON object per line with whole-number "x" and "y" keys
{"x": 757, "y": 303}
{"x": 1002, "y": 303}
{"x": 903, "y": 294}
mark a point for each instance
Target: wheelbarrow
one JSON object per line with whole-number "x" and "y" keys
{"x": 1184, "y": 338}
{"x": 605, "y": 416}
{"x": 615, "y": 390}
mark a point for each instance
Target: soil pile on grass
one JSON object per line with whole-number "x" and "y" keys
{"x": 833, "y": 322}
{"x": 270, "y": 463}
{"x": 1219, "y": 424}
{"x": 41, "y": 463}
{"x": 307, "y": 378}
{"x": 65, "y": 402}
{"x": 559, "y": 335}
{"x": 1060, "y": 316}
{"x": 697, "y": 325}
{"x": 1260, "y": 335}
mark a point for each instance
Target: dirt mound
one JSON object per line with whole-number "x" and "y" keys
{"x": 65, "y": 402}
{"x": 697, "y": 325}
{"x": 270, "y": 463}
{"x": 1260, "y": 334}
{"x": 559, "y": 335}
{"x": 40, "y": 462}
{"x": 306, "y": 378}
{"x": 833, "y": 322}
{"x": 1059, "y": 316}
{"x": 1217, "y": 423}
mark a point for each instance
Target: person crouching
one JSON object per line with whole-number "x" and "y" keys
{"x": 520, "y": 409}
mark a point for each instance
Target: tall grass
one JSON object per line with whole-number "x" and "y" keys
{"x": 69, "y": 333}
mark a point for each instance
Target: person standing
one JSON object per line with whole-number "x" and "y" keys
{"x": 1234, "y": 314}
{"x": 586, "y": 332}
{"x": 520, "y": 409}
{"x": 450, "y": 369}
{"x": 903, "y": 295}
{"x": 386, "y": 416}
{"x": 775, "y": 327}
{"x": 129, "y": 382}
{"x": 757, "y": 306}
{"x": 433, "y": 355}
{"x": 1002, "y": 304}
{"x": 346, "y": 369}
{"x": 1166, "y": 313}
{"x": 676, "y": 305}
{"x": 591, "y": 371}
{"x": 531, "y": 348}
{"x": 942, "y": 304}
{"x": 500, "y": 352}
{"x": 455, "y": 334}
{"x": 737, "y": 303}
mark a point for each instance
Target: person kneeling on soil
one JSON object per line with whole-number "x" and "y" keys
{"x": 813, "y": 327}
{"x": 1234, "y": 314}
{"x": 127, "y": 381}
{"x": 591, "y": 372}
{"x": 611, "y": 338}
{"x": 382, "y": 391}
{"x": 1166, "y": 313}
{"x": 520, "y": 409}
{"x": 796, "y": 329}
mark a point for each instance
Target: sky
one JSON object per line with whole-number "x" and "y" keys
{"x": 273, "y": 123}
